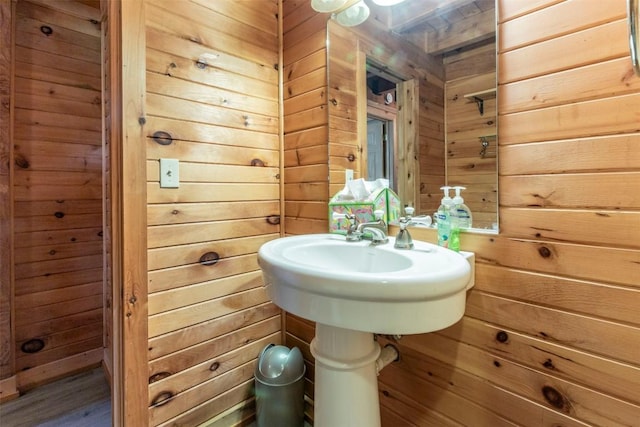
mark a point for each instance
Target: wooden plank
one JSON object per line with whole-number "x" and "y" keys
{"x": 600, "y": 80}
{"x": 212, "y": 192}
{"x": 176, "y": 46}
{"x": 509, "y": 10}
{"x": 555, "y": 21}
{"x": 193, "y": 294}
{"x": 43, "y": 358}
{"x": 179, "y": 109}
{"x": 56, "y": 281}
{"x": 605, "y": 42}
{"x": 162, "y": 323}
{"x": 191, "y": 336}
{"x": 7, "y": 357}
{"x": 57, "y": 237}
{"x": 204, "y": 371}
{"x": 171, "y": 256}
{"x": 608, "y": 153}
{"x": 472, "y": 387}
{"x": 586, "y": 405}
{"x": 129, "y": 215}
{"x": 44, "y": 13}
{"x": 604, "y": 375}
{"x": 221, "y": 402}
{"x": 596, "y": 227}
{"x": 53, "y": 296}
{"x": 213, "y": 346}
{"x": 41, "y": 374}
{"x": 77, "y": 9}
{"x": 211, "y": 95}
{"x": 185, "y": 131}
{"x": 587, "y": 191}
{"x": 183, "y": 26}
{"x": 52, "y": 326}
{"x": 210, "y": 172}
{"x": 175, "y": 277}
{"x": 160, "y": 214}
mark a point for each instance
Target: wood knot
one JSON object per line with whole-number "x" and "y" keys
{"x": 214, "y": 366}
{"x": 257, "y": 162}
{"x": 351, "y": 157}
{"x": 159, "y": 376}
{"x": 32, "y": 346}
{"x": 273, "y": 219}
{"x": 549, "y": 364}
{"x": 59, "y": 214}
{"x": 162, "y": 398}
{"x": 46, "y": 30}
{"x": 502, "y": 337}
{"x": 554, "y": 397}
{"x": 544, "y": 252}
{"x": 21, "y": 162}
{"x": 201, "y": 64}
{"x": 209, "y": 258}
{"x": 162, "y": 137}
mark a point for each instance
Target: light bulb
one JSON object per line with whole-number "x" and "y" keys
{"x": 327, "y": 6}
{"x": 387, "y": 2}
{"x": 353, "y": 15}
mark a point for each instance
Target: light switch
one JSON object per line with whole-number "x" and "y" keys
{"x": 169, "y": 173}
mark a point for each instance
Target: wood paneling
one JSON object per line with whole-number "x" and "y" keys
{"x": 7, "y": 355}
{"x": 551, "y": 328}
{"x": 57, "y": 186}
{"x": 212, "y": 94}
{"x": 551, "y": 331}
{"x": 306, "y": 152}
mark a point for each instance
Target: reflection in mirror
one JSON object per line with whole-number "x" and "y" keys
{"x": 415, "y": 88}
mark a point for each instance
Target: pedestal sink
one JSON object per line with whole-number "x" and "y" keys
{"x": 353, "y": 290}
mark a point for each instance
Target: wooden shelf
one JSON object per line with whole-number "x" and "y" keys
{"x": 480, "y": 97}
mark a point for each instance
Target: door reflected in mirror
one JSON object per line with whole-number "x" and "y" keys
{"x": 422, "y": 76}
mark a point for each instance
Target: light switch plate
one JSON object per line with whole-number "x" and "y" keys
{"x": 169, "y": 173}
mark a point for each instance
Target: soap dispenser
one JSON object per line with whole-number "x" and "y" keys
{"x": 444, "y": 218}
{"x": 463, "y": 213}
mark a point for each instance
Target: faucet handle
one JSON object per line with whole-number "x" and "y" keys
{"x": 336, "y": 215}
{"x": 409, "y": 210}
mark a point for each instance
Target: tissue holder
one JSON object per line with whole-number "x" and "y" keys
{"x": 383, "y": 199}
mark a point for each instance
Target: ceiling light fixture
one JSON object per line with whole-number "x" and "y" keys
{"x": 348, "y": 13}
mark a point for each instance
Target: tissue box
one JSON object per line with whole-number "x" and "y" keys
{"x": 383, "y": 199}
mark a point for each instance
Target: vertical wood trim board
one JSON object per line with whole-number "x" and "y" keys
{"x": 132, "y": 217}
{"x": 7, "y": 352}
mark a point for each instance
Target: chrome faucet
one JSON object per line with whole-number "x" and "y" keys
{"x": 403, "y": 239}
{"x": 377, "y": 228}
{"x": 376, "y": 231}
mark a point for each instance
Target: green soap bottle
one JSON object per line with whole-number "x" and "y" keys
{"x": 443, "y": 222}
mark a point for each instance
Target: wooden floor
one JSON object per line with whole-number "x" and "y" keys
{"x": 78, "y": 401}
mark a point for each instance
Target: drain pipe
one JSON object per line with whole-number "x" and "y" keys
{"x": 389, "y": 353}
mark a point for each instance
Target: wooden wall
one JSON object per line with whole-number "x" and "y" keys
{"x": 473, "y": 72}
{"x": 7, "y": 356}
{"x": 306, "y": 155}
{"x": 551, "y": 331}
{"x": 212, "y": 102}
{"x": 57, "y": 189}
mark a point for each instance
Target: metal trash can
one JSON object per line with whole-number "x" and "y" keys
{"x": 279, "y": 379}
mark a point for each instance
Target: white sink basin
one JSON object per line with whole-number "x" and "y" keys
{"x": 357, "y": 286}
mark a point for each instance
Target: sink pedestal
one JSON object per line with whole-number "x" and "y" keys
{"x": 346, "y": 383}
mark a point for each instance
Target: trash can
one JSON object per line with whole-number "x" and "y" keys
{"x": 279, "y": 379}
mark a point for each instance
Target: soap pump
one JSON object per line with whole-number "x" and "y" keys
{"x": 463, "y": 213}
{"x": 444, "y": 218}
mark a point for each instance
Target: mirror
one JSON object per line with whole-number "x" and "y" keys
{"x": 422, "y": 74}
